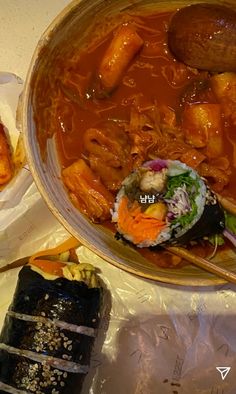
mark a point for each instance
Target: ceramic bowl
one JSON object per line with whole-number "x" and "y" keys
{"x": 78, "y": 17}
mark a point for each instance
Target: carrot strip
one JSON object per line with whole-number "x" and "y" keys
{"x": 140, "y": 226}
{"x": 70, "y": 243}
{"x": 49, "y": 266}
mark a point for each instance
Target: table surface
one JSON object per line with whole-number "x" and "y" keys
{"x": 21, "y": 24}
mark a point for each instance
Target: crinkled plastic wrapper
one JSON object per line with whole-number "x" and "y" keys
{"x": 153, "y": 338}
{"x": 10, "y": 90}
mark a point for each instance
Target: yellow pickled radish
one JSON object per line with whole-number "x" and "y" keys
{"x": 157, "y": 210}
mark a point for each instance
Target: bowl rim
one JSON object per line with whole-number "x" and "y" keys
{"x": 210, "y": 280}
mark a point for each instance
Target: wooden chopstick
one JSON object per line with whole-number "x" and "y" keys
{"x": 205, "y": 264}
{"x": 15, "y": 264}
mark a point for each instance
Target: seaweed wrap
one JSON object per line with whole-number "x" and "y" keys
{"x": 50, "y": 328}
{"x": 166, "y": 202}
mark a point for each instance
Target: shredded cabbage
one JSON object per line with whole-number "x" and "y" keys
{"x": 181, "y": 194}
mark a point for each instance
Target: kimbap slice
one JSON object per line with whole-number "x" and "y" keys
{"x": 50, "y": 328}
{"x": 165, "y": 201}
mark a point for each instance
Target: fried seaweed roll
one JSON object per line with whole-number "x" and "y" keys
{"x": 49, "y": 329}
{"x": 165, "y": 201}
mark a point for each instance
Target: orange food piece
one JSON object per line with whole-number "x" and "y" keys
{"x": 192, "y": 158}
{"x": 224, "y": 88}
{"x": 202, "y": 126}
{"x": 217, "y": 177}
{"x": 140, "y": 226}
{"x": 123, "y": 47}
{"x": 70, "y": 243}
{"x": 157, "y": 210}
{"x": 6, "y": 167}
{"x": 87, "y": 191}
{"x": 49, "y": 266}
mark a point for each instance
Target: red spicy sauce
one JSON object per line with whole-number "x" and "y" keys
{"x": 63, "y": 106}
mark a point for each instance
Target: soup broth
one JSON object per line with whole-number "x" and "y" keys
{"x": 149, "y": 113}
